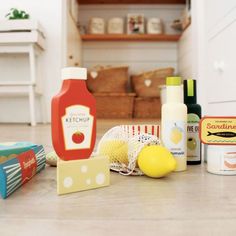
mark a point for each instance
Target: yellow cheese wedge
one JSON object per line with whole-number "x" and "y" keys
{"x": 79, "y": 175}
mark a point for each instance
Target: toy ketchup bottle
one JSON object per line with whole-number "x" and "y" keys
{"x": 73, "y": 117}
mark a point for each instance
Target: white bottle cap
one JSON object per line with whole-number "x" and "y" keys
{"x": 74, "y": 73}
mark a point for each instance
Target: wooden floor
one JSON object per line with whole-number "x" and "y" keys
{"x": 188, "y": 203}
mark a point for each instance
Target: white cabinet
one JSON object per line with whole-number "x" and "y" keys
{"x": 217, "y": 10}
{"x": 222, "y": 65}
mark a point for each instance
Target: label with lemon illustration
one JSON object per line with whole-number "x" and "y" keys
{"x": 193, "y": 141}
{"x": 175, "y": 137}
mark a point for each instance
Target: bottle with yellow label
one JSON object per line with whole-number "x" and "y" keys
{"x": 174, "y": 122}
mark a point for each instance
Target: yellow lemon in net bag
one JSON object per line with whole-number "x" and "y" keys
{"x": 116, "y": 150}
{"x": 156, "y": 161}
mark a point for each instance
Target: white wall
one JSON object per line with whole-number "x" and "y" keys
{"x": 199, "y": 62}
{"x": 73, "y": 44}
{"x": 185, "y": 54}
{"x": 49, "y": 14}
{"x": 140, "y": 56}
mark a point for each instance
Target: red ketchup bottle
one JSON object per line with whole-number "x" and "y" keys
{"x": 73, "y": 116}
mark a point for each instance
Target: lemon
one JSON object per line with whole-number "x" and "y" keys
{"x": 156, "y": 161}
{"x": 116, "y": 150}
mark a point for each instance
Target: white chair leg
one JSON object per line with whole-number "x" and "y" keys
{"x": 33, "y": 81}
{"x": 32, "y": 105}
{"x": 32, "y": 64}
{"x": 43, "y": 109}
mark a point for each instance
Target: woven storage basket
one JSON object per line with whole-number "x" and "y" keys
{"x": 114, "y": 105}
{"x": 147, "y": 84}
{"x": 112, "y": 79}
{"x": 145, "y": 107}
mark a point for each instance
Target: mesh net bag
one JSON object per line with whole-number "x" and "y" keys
{"x": 123, "y": 143}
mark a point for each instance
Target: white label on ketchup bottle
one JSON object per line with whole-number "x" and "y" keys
{"x": 77, "y": 125}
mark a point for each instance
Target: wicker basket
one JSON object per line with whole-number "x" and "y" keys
{"x": 112, "y": 79}
{"x": 114, "y": 105}
{"x": 145, "y": 107}
{"x": 147, "y": 84}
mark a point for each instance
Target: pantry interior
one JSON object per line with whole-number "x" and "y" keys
{"x": 141, "y": 53}
{"x": 196, "y": 52}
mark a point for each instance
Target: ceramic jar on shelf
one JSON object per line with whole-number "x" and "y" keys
{"x": 154, "y": 26}
{"x": 96, "y": 25}
{"x": 115, "y": 26}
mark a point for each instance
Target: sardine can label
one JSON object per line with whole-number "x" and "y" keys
{"x": 218, "y": 130}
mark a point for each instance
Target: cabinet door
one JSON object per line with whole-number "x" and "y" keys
{"x": 222, "y": 65}
{"x": 217, "y": 10}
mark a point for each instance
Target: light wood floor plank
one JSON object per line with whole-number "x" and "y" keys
{"x": 188, "y": 203}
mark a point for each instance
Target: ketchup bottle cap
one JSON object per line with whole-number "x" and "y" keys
{"x": 74, "y": 73}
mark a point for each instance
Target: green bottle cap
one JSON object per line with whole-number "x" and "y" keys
{"x": 173, "y": 81}
{"x": 190, "y": 91}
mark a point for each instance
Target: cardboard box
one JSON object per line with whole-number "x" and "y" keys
{"x": 114, "y": 105}
{"x": 145, "y": 107}
{"x": 19, "y": 170}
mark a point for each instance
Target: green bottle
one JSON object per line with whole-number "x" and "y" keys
{"x": 194, "y": 116}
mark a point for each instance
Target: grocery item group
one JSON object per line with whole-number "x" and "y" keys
{"x": 151, "y": 150}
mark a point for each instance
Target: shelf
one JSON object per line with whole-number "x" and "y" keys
{"x": 131, "y": 37}
{"x": 131, "y": 1}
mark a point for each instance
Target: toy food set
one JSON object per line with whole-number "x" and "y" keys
{"x": 51, "y": 158}
{"x": 156, "y": 161}
{"x": 132, "y": 130}
{"x": 10, "y": 150}
{"x": 174, "y": 122}
{"x": 119, "y": 144}
{"x": 20, "y": 169}
{"x": 218, "y": 130}
{"x": 74, "y": 135}
{"x": 79, "y": 175}
{"x": 219, "y": 135}
{"x": 73, "y": 116}
{"x": 194, "y": 116}
{"x": 132, "y": 150}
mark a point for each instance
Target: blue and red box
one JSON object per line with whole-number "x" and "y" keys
{"x": 19, "y": 162}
